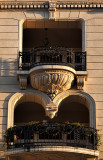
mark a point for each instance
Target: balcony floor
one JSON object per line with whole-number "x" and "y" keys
{"x": 56, "y": 155}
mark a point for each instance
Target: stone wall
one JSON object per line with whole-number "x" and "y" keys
{"x": 9, "y": 47}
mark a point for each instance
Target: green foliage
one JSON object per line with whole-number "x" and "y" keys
{"x": 33, "y": 123}
{"x": 98, "y": 140}
{"x": 65, "y": 128}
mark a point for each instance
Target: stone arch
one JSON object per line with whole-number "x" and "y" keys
{"x": 18, "y": 98}
{"x": 84, "y": 98}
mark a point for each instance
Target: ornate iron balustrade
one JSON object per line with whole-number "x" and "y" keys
{"x": 51, "y": 134}
{"x": 52, "y": 55}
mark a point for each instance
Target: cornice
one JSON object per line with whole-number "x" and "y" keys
{"x": 52, "y": 5}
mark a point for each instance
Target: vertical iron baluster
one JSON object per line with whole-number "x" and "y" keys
{"x": 24, "y": 136}
{"x": 19, "y": 138}
{"x": 84, "y": 61}
{"x": 69, "y": 57}
{"x": 94, "y": 140}
{"x": 10, "y": 138}
{"x": 33, "y": 62}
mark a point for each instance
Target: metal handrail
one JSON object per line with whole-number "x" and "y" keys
{"x": 52, "y": 55}
{"x": 51, "y": 134}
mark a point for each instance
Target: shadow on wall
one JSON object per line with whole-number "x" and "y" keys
{"x": 95, "y": 11}
{"x": 8, "y": 74}
{"x": 8, "y": 67}
{"x": 8, "y": 79}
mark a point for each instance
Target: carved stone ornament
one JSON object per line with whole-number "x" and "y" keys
{"x": 52, "y": 5}
{"x": 52, "y": 81}
{"x": 51, "y": 110}
{"x": 51, "y": 15}
{"x": 80, "y": 82}
{"x": 77, "y": 4}
{"x": 52, "y": 9}
{"x": 23, "y": 81}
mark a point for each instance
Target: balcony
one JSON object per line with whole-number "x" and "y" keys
{"x": 52, "y": 56}
{"x": 51, "y": 135}
{"x": 52, "y": 69}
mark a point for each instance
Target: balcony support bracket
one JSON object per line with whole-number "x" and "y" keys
{"x": 81, "y": 78}
{"x": 22, "y": 77}
{"x": 23, "y": 82}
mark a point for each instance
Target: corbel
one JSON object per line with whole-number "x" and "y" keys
{"x": 81, "y": 77}
{"x": 22, "y": 78}
{"x": 23, "y": 81}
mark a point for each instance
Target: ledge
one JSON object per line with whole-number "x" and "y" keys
{"x": 47, "y": 67}
{"x": 44, "y": 71}
{"x": 42, "y": 67}
{"x": 59, "y": 149}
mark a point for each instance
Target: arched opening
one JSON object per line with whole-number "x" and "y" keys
{"x": 27, "y": 112}
{"x": 73, "y": 109}
{"x": 83, "y": 105}
{"x": 19, "y": 101}
{"x": 68, "y": 111}
{"x": 73, "y": 112}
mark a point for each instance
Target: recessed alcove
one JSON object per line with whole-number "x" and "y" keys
{"x": 53, "y": 33}
{"x": 74, "y": 112}
{"x": 29, "y": 111}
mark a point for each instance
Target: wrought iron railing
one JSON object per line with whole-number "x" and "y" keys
{"x": 52, "y": 55}
{"x": 51, "y": 134}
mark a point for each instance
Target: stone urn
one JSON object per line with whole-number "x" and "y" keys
{"x": 52, "y": 81}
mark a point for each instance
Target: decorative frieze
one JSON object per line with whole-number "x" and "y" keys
{"x": 52, "y": 5}
{"x": 24, "y": 5}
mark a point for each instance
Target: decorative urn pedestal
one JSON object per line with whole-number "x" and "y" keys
{"x": 51, "y": 81}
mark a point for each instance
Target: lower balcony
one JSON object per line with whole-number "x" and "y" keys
{"x": 64, "y": 137}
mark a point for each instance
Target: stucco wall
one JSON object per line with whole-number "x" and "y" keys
{"x": 9, "y": 47}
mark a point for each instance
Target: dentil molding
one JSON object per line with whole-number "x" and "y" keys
{"x": 51, "y": 5}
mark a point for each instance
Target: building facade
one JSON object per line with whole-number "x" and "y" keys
{"x": 51, "y": 71}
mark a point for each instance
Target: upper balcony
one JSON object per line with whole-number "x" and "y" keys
{"x": 53, "y": 67}
{"x": 52, "y": 56}
{"x": 46, "y": 65}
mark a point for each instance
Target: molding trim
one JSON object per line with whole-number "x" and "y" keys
{"x": 52, "y": 5}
